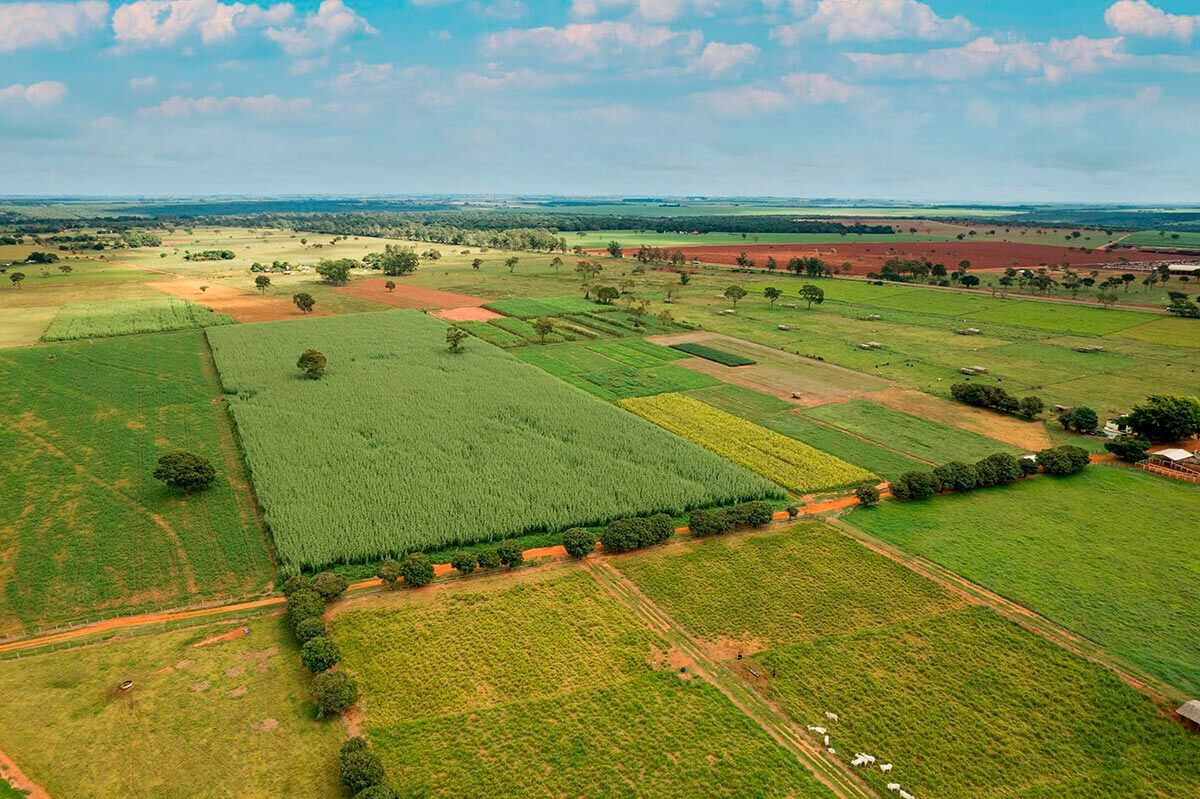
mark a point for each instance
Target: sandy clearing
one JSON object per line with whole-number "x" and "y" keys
{"x": 241, "y": 305}
{"x": 407, "y": 296}
{"x": 466, "y": 314}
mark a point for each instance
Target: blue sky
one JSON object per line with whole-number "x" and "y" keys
{"x": 1021, "y": 100}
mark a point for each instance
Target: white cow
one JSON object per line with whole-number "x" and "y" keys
{"x": 859, "y": 759}
{"x": 893, "y": 786}
{"x": 831, "y": 716}
{"x": 827, "y": 740}
{"x": 832, "y": 751}
{"x": 885, "y": 767}
{"x": 906, "y": 795}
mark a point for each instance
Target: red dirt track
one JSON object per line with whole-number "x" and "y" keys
{"x": 865, "y": 258}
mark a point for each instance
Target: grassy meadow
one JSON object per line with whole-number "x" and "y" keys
{"x": 421, "y": 448}
{"x": 963, "y": 703}
{"x": 124, "y": 317}
{"x": 1110, "y": 554}
{"x": 85, "y": 528}
{"x": 231, "y": 718}
{"x": 545, "y": 685}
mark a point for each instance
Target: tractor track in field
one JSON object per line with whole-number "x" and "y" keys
{"x": 829, "y": 771}
{"x": 11, "y": 773}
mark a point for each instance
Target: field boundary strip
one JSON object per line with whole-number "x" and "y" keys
{"x": 832, "y": 773}
{"x": 1082, "y": 647}
{"x": 11, "y": 773}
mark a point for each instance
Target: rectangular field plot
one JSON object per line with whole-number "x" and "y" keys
{"x": 546, "y": 686}
{"x": 418, "y": 447}
{"x": 617, "y": 370}
{"x": 1109, "y": 553}
{"x": 123, "y": 317}
{"x": 542, "y": 306}
{"x": 230, "y": 718}
{"x": 963, "y": 703}
{"x": 920, "y": 438}
{"x": 85, "y": 528}
{"x": 790, "y": 463}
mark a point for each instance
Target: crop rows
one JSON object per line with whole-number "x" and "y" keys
{"x": 492, "y": 334}
{"x": 714, "y": 354}
{"x": 542, "y": 306}
{"x": 403, "y": 445}
{"x": 124, "y": 317}
{"x": 519, "y": 327}
{"x": 790, "y": 463}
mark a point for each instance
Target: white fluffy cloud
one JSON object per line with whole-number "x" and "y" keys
{"x": 717, "y": 58}
{"x": 650, "y": 10}
{"x": 331, "y": 23}
{"x": 872, "y": 21}
{"x": 267, "y": 105}
{"x": 596, "y": 42}
{"x": 36, "y": 24}
{"x": 1140, "y": 18}
{"x": 797, "y": 88}
{"x": 38, "y": 95}
{"x": 160, "y": 23}
{"x": 146, "y": 82}
{"x": 816, "y": 88}
{"x": 1054, "y": 60}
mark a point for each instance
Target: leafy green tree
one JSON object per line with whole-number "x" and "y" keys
{"x": 330, "y": 585}
{"x": 185, "y": 471}
{"x": 478, "y": 262}
{"x": 294, "y": 584}
{"x": 544, "y": 327}
{"x": 510, "y": 553}
{"x": 614, "y": 249}
{"x": 377, "y": 792}
{"x": 312, "y": 363}
{"x": 66, "y": 269}
{"x": 1079, "y": 420}
{"x": 772, "y": 294}
{"x": 1063, "y": 460}
{"x": 488, "y": 559}
{"x": 556, "y": 263}
{"x": 396, "y": 260}
{"x": 734, "y": 293}
{"x": 709, "y": 522}
{"x": 511, "y": 263}
{"x": 579, "y": 542}
{"x": 336, "y": 272}
{"x": 390, "y": 285}
{"x": 16, "y": 278}
{"x": 607, "y": 294}
{"x": 389, "y": 571}
{"x": 956, "y": 476}
{"x": 319, "y": 653}
{"x": 998, "y": 469}
{"x": 771, "y": 264}
{"x": 867, "y": 495}
{"x": 1128, "y": 448}
{"x": 304, "y": 301}
{"x": 455, "y": 336}
{"x": 810, "y": 294}
{"x": 263, "y": 282}
{"x": 623, "y": 535}
{"x": 1163, "y": 418}
{"x": 333, "y": 692}
{"x": 310, "y": 628}
{"x": 684, "y": 278}
{"x": 304, "y": 604}
{"x": 416, "y": 569}
{"x": 463, "y": 561}
{"x": 359, "y": 768}
{"x": 1030, "y": 407}
{"x": 915, "y": 486}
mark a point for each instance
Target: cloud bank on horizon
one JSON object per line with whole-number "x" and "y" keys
{"x": 912, "y": 99}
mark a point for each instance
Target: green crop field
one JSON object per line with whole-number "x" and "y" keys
{"x": 714, "y": 354}
{"x": 617, "y": 370}
{"x": 963, "y": 703}
{"x": 1163, "y": 238}
{"x": 920, "y": 438}
{"x": 418, "y": 447}
{"x": 545, "y": 306}
{"x": 86, "y": 529}
{"x": 122, "y": 317}
{"x": 1109, "y": 553}
{"x": 227, "y": 719}
{"x": 576, "y": 699}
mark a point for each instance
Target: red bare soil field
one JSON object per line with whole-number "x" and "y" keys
{"x": 467, "y": 314}
{"x": 865, "y": 258}
{"x": 375, "y": 288}
{"x": 243, "y": 306}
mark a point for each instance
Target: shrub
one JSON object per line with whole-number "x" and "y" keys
{"x": 489, "y": 559}
{"x": 296, "y": 583}
{"x": 333, "y": 692}
{"x": 463, "y": 561}
{"x": 709, "y": 522}
{"x": 1128, "y": 448}
{"x": 360, "y": 768}
{"x": 623, "y": 535}
{"x": 792, "y": 511}
{"x": 1028, "y": 466}
{"x": 389, "y": 571}
{"x": 579, "y": 542}
{"x": 329, "y": 585}
{"x": 915, "y": 486}
{"x": 1063, "y": 460}
{"x": 304, "y": 604}
{"x": 510, "y": 553}
{"x": 956, "y": 476}
{"x": 757, "y": 514}
{"x": 867, "y": 495}
{"x": 660, "y": 527}
{"x": 417, "y": 570}
{"x": 318, "y": 654}
{"x": 186, "y": 471}
{"x": 309, "y": 629}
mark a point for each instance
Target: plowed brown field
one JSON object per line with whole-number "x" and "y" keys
{"x": 404, "y": 296}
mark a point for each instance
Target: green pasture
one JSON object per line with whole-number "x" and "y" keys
{"x": 124, "y": 317}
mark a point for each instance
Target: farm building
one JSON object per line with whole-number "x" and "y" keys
{"x": 1190, "y": 712}
{"x": 1184, "y": 269}
{"x": 1175, "y": 456}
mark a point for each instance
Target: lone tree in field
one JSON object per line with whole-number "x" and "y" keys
{"x": 478, "y": 262}
{"x": 614, "y": 249}
{"x": 390, "y": 285}
{"x": 263, "y": 282}
{"x": 734, "y": 293}
{"x": 544, "y": 327}
{"x": 511, "y": 262}
{"x": 304, "y": 301}
{"x": 397, "y": 261}
{"x": 810, "y": 294}
{"x": 607, "y": 294}
{"x": 455, "y": 336}
{"x": 312, "y": 362}
{"x": 772, "y": 294}
{"x": 186, "y": 471}
{"x": 16, "y": 278}
{"x": 557, "y": 263}
{"x": 336, "y": 272}
{"x": 65, "y": 268}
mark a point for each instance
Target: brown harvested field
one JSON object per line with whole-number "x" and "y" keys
{"x": 1010, "y": 430}
{"x": 866, "y": 258}
{"x": 780, "y": 374}
{"x": 469, "y": 313}
{"x": 418, "y": 297}
{"x": 241, "y": 305}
